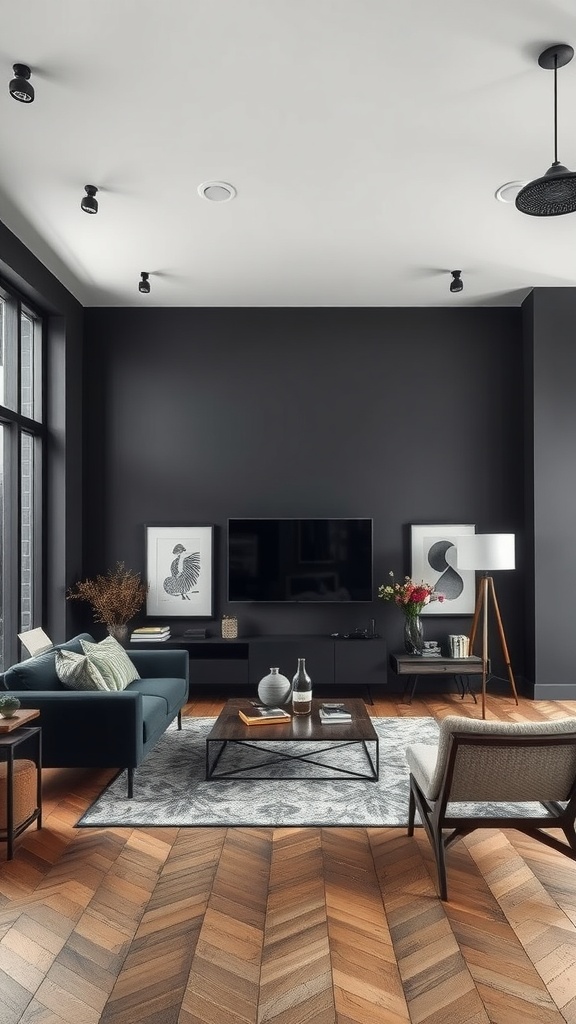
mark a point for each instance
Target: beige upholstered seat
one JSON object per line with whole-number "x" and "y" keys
{"x": 495, "y": 762}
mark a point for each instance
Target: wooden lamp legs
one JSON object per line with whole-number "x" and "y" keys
{"x": 486, "y": 591}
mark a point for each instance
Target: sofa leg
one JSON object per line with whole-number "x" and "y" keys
{"x": 130, "y": 783}
{"x": 179, "y": 719}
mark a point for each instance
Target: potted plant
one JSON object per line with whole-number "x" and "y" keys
{"x": 115, "y": 598}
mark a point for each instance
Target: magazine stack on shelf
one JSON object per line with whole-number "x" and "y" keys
{"x": 459, "y": 646}
{"x": 150, "y": 635}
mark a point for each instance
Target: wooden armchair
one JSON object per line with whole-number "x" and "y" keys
{"x": 490, "y": 763}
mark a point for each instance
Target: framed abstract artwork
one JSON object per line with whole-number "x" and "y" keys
{"x": 434, "y": 562}
{"x": 180, "y": 571}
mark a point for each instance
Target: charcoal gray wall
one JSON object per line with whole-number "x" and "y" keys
{"x": 550, "y": 344}
{"x": 405, "y": 415}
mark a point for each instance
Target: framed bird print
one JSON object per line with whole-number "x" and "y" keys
{"x": 180, "y": 571}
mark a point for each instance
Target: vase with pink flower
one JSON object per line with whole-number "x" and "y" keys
{"x": 411, "y": 598}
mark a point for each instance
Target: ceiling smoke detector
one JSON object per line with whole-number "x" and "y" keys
{"x": 216, "y": 191}
{"x": 507, "y": 193}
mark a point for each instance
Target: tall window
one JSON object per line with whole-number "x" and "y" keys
{"x": 21, "y": 447}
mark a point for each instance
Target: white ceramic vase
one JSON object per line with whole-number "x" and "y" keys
{"x": 274, "y": 689}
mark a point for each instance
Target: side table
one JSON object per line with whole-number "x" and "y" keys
{"x": 19, "y": 741}
{"x": 413, "y": 666}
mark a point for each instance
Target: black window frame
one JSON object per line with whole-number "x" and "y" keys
{"x": 18, "y": 424}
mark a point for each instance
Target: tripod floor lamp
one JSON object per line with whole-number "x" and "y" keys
{"x": 487, "y": 552}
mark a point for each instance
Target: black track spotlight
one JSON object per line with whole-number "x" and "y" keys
{"x": 555, "y": 192}
{"x": 144, "y": 284}
{"x": 89, "y": 203}
{"x": 20, "y": 87}
{"x": 456, "y": 284}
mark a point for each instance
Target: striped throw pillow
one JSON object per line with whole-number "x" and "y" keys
{"x": 76, "y": 672}
{"x": 112, "y": 662}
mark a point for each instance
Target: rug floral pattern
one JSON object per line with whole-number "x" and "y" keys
{"x": 170, "y": 788}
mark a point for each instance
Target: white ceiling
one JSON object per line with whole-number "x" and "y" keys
{"x": 365, "y": 138}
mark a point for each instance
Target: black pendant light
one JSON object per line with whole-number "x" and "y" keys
{"x": 144, "y": 283}
{"x": 555, "y": 192}
{"x": 456, "y": 284}
{"x": 20, "y": 87}
{"x": 89, "y": 202}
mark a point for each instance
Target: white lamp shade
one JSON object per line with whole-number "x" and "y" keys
{"x": 487, "y": 552}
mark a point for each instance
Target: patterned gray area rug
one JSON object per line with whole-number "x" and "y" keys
{"x": 170, "y": 786}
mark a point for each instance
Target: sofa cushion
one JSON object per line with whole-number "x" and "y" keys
{"x": 77, "y": 672}
{"x": 39, "y": 673}
{"x": 154, "y": 716}
{"x": 112, "y": 662}
{"x": 172, "y": 691}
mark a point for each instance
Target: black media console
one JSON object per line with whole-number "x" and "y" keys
{"x": 244, "y": 661}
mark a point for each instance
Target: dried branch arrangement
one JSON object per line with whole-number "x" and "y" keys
{"x": 115, "y": 598}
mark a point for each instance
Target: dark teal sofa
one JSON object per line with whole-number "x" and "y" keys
{"x": 97, "y": 729}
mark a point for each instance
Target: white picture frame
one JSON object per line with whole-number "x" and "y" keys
{"x": 433, "y": 550}
{"x": 180, "y": 571}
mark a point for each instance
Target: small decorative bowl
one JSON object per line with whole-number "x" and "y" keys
{"x": 9, "y": 706}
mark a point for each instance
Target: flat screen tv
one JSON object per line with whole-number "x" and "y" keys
{"x": 300, "y": 560}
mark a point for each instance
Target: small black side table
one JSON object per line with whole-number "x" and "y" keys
{"x": 26, "y": 742}
{"x": 413, "y": 666}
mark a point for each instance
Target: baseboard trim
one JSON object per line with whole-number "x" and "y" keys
{"x": 554, "y": 691}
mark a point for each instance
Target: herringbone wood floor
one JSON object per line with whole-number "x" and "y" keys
{"x": 287, "y": 926}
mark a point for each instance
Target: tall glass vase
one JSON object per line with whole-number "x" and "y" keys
{"x": 413, "y": 634}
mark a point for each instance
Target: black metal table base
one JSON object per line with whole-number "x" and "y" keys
{"x": 462, "y": 682}
{"x": 309, "y": 757}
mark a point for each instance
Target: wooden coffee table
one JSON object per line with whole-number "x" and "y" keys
{"x": 230, "y": 729}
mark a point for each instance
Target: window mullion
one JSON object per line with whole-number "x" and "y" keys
{"x": 11, "y": 354}
{"x": 11, "y": 565}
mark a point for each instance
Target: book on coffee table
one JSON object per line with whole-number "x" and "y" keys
{"x": 334, "y": 713}
{"x": 264, "y": 716}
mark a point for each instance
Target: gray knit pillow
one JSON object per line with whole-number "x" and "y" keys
{"x": 76, "y": 672}
{"x": 112, "y": 662}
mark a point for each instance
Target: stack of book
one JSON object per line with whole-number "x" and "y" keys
{"x": 150, "y": 634}
{"x": 334, "y": 713}
{"x": 459, "y": 646}
{"x": 258, "y": 714}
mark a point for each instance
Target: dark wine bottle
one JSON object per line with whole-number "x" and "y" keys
{"x": 301, "y": 690}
